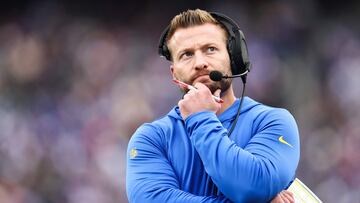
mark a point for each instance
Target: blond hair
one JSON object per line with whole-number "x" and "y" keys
{"x": 190, "y": 18}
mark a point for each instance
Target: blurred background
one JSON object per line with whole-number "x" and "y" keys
{"x": 78, "y": 77}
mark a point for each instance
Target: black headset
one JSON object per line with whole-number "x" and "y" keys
{"x": 236, "y": 44}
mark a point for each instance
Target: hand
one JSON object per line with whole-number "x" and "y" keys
{"x": 284, "y": 197}
{"x": 198, "y": 100}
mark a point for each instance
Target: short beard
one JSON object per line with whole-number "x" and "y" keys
{"x": 223, "y": 85}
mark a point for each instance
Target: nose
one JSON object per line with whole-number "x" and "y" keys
{"x": 200, "y": 61}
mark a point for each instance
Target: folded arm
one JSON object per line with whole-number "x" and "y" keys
{"x": 149, "y": 175}
{"x": 255, "y": 173}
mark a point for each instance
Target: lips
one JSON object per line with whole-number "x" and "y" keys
{"x": 201, "y": 78}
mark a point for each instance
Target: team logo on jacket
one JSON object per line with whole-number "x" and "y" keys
{"x": 133, "y": 153}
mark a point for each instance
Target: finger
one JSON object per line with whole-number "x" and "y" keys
{"x": 192, "y": 91}
{"x": 180, "y": 103}
{"x": 217, "y": 92}
{"x": 288, "y": 195}
{"x": 277, "y": 199}
{"x": 200, "y": 86}
{"x": 189, "y": 94}
{"x": 186, "y": 96}
{"x": 283, "y": 198}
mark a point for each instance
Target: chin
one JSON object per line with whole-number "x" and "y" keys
{"x": 213, "y": 86}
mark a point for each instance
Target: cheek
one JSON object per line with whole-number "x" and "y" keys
{"x": 178, "y": 74}
{"x": 226, "y": 64}
{"x": 180, "y": 71}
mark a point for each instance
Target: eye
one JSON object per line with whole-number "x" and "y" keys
{"x": 211, "y": 49}
{"x": 186, "y": 54}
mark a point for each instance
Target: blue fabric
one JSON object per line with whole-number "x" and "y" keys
{"x": 171, "y": 160}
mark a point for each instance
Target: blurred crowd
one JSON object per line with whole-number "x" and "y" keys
{"x": 75, "y": 82}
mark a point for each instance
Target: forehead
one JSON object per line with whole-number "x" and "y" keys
{"x": 196, "y": 35}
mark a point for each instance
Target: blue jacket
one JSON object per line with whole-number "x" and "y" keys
{"x": 171, "y": 160}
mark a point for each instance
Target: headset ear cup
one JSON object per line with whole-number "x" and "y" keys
{"x": 244, "y": 52}
{"x": 238, "y": 52}
{"x": 166, "y": 52}
{"x": 232, "y": 54}
{"x": 162, "y": 48}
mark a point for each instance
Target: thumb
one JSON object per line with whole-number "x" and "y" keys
{"x": 217, "y": 92}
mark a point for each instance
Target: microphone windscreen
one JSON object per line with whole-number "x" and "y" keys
{"x": 216, "y": 75}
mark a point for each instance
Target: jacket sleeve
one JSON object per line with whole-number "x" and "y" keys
{"x": 257, "y": 172}
{"x": 149, "y": 175}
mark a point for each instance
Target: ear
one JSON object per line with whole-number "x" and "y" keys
{"x": 172, "y": 71}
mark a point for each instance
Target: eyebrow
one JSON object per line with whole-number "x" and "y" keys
{"x": 181, "y": 51}
{"x": 201, "y": 47}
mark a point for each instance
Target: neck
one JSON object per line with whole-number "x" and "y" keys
{"x": 229, "y": 98}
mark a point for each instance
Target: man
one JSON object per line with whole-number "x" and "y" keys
{"x": 201, "y": 151}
